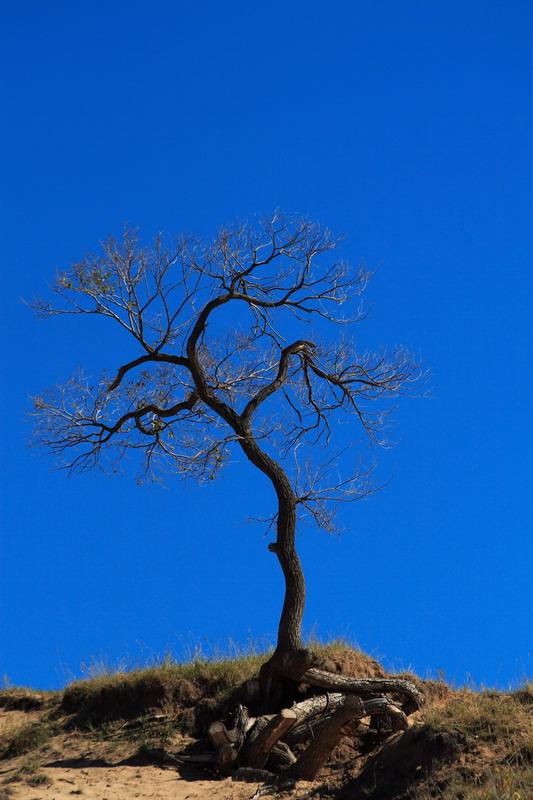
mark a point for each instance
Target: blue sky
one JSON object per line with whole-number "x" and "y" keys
{"x": 406, "y": 125}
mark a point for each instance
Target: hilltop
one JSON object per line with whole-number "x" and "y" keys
{"x": 122, "y": 735}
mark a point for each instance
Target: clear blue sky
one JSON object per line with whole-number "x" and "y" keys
{"x": 408, "y": 126}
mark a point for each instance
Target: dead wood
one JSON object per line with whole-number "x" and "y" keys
{"x": 318, "y": 705}
{"x": 254, "y": 742}
{"x": 218, "y": 735}
{"x": 242, "y": 724}
{"x": 315, "y": 713}
{"x": 256, "y": 754}
{"x": 381, "y": 706}
{"x": 312, "y": 759}
{"x": 411, "y": 698}
{"x": 225, "y": 751}
{"x": 281, "y": 756}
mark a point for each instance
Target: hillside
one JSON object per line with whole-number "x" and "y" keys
{"x": 116, "y": 737}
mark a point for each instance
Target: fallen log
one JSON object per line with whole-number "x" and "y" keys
{"x": 221, "y": 741}
{"x": 254, "y": 741}
{"x": 281, "y": 756}
{"x": 241, "y": 725}
{"x": 378, "y": 706}
{"x": 320, "y": 704}
{"x": 161, "y": 755}
{"x": 257, "y": 752}
{"x": 317, "y": 711}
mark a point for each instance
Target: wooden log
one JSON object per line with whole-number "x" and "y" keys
{"x": 383, "y": 706}
{"x": 380, "y": 706}
{"x": 312, "y": 759}
{"x": 199, "y": 758}
{"x": 218, "y": 734}
{"x": 241, "y": 726}
{"x": 221, "y": 741}
{"x": 225, "y": 758}
{"x": 309, "y": 729}
{"x": 329, "y": 680}
{"x": 320, "y": 704}
{"x": 257, "y": 752}
{"x": 281, "y": 755}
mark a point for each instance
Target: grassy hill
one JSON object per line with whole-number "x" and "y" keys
{"x": 462, "y": 745}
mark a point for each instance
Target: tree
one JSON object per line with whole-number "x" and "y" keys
{"x": 221, "y": 364}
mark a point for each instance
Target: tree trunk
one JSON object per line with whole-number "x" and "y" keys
{"x": 290, "y": 659}
{"x": 289, "y": 631}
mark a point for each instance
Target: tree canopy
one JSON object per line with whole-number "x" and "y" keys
{"x": 212, "y": 322}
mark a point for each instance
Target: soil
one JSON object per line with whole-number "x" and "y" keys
{"x": 110, "y": 771}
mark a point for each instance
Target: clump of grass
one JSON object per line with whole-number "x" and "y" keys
{"x": 524, "y": 694}
{"x": 498, "y": 738}
{"x": 171, "y": 687}
{"x": 205, "y": 673}
{"x": 26, "y": 738}
{"x": 23, "y": 699}
{"x": 209, "y": 681}
{"x": 214, "y": 672}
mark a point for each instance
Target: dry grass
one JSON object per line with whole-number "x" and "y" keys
{"x": 205, "y": 683}
{"x": 486, "y": 716}
{"x": 26, "y": 738}
{"x": 496, "y": 758}
{"x": 23, "y": 699}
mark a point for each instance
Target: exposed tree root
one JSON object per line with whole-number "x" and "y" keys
{"x": 318, "y": 722}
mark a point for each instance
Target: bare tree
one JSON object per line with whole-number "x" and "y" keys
{"x": 219, "y": 366}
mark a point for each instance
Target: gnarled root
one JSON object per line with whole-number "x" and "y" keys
{"x": 411, "y": 698}
{"x": 321, "y": 721}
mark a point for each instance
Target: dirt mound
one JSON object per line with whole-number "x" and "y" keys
{"x": 127, "y": 699}
{"x": 353, "y": 663}
{"x": 404, "y": 759}
{"x": 24, "y": 699}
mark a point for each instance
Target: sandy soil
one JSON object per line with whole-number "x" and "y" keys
{"x": 126, "y": 782}
{"x": 108, "y": 771}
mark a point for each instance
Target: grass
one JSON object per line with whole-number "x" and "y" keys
{"x": 487, "y": 716}
{"x": 133, "y": 690}
{"x": 23, "y": 699}
{"x": 497, "y": 754}
{"x": 170, "y": 685}
{"x": 25, "y": 738}
{"x": 502, "y": 783}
